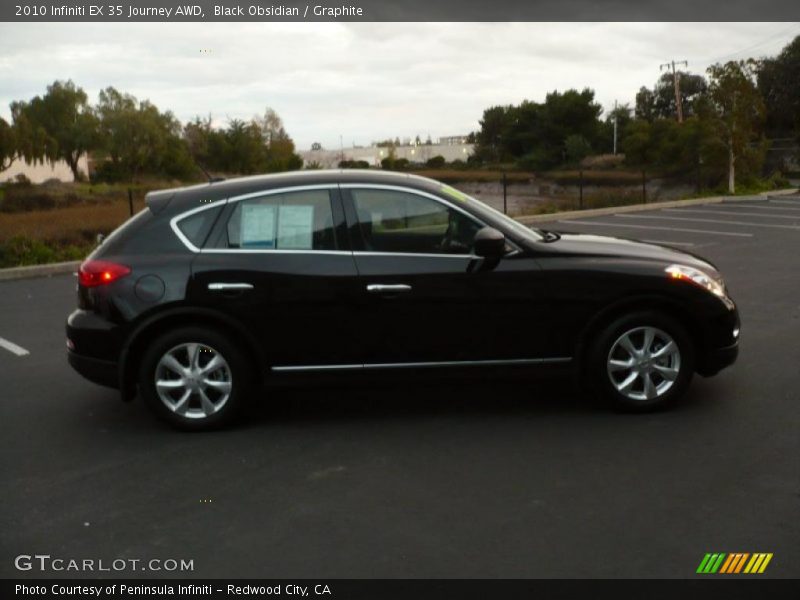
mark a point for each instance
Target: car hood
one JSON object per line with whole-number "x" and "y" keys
{"x": 603, "y": 246}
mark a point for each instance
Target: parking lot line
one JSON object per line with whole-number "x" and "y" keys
{"x": 725, "y": 212}
{"x": 13, "y": 348}
{"x": 787, "y": 202}
{"x": 760, "y": 207}
{"x": 630, "y": 226}
{"x": 717, "y": 221}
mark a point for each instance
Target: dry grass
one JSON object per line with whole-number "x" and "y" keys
{"x": 75, "y": 224}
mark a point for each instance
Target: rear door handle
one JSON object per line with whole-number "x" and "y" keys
{"x": 217, "y": 287}
{"x": 377, "y": 288}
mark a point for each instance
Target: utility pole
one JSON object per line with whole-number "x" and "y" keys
{"x": 677, "y": 83}
{"x": 615, "y": 127}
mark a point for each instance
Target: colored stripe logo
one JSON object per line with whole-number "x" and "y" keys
{"x": 734, "y": 563}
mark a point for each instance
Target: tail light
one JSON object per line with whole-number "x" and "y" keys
{"x": 100, "y": 272}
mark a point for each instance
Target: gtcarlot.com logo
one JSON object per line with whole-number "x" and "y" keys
{"x": 734, "y": 563}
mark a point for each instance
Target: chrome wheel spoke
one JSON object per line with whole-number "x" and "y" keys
{"x": 173, "y": 364}
{"x": 182, "y": 405}
{"x": 215, "y": 363}
{"x": 223, "y": 387}
{"x": 668, "y": 373}
{"x": 209, "y": 408}
{"x": 170, "y": 384}
{"x": 650, "y": 391}
{"x": 619, "y": 365}
{"x": 666, "y": 350}
{"x": 193, "y": 352}
{"x": 627, "y": 345}
{"x": 649, "y": 336}
{"x": 628, "y": 382}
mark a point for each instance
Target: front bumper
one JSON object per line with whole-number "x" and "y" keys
{"x": 716, "y": 360}
{"x": 102, "y": 372}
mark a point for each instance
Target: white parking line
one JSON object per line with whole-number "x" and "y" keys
{"x": 734, "y": 213}
{"x": 730, "y": 233}
{"x": 717, "y": 221}
{"x": 787, "y": 202}
{"x": 758, "y": 207}
{"x": 13, "y": 348}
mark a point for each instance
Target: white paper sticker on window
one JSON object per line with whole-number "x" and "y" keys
{"x": 296, "y": 227}
{"x": 258, "y": 226}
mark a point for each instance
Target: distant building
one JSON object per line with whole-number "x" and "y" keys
{"x": 39, "y": 173}
{"x": 373, "y": 155}
{"x": 452, "y": 140}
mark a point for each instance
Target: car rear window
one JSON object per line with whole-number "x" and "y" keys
{"x": 196, "y": 227}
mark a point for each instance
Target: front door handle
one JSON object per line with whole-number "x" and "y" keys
{"x": 378, "y": 288}
{"x": 224, "y": 287}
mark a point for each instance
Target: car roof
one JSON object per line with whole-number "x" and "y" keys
{"x": 182, "y": 198}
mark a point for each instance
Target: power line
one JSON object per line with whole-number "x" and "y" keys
{"x": 769, "y": 40}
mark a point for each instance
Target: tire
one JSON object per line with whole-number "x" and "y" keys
{"x": 642, "y": 362}
{"x": 195, "y": 378}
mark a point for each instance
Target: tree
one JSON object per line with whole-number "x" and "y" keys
{"x": 65, "y": 117}
{"x": 778, "y": 84}
{"x": 8, "y": 145}
{"x": 137, "y": 138}
{"x": 735, "y": 111}
{"x": 577, "y": 148}
{"x": 659, "y": 103}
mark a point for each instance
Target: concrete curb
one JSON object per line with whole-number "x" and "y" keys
{"x": 611, "y": 210}
{"x": 72, "y": 266}
{"x": 39, "y": 270}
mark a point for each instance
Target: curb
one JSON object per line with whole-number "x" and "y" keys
{"x": 611, "y": 210}
{"x": 72, "y": 266}
{"x": 39, "y": 270}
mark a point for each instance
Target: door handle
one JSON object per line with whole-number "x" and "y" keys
{"x": 377, "y": 288}
{"x": 216, "y": 287}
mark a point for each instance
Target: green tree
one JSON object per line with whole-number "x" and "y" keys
{"x": 8, "y": 145}
{"x": 577, "y": 148}
{"x": 778, "y": 79}
{"x": 65, "y": 117}
{"x": 735, "y": 111}
{"x": 137, "y": 139}
{"x": 659, "y": 103}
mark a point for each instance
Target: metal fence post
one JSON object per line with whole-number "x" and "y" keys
{"x": 505, "y": 194}
{"x": 580, "y": 189}
{"x": 130, "y": 201}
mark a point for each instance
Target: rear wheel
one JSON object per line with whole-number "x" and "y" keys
{"x": 194, "y": 378}
{"x": 642, "y": 361}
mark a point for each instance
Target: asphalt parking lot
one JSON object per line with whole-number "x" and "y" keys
{"x": 488, "y": 479}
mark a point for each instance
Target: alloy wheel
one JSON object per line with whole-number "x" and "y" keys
{"x": 644, "y": 363}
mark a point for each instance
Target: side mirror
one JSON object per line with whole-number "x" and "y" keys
{"x": 489, "y": 243}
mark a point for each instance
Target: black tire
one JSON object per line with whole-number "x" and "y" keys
{"x": 604, "y": 379}
{"x": 197, "y": 414}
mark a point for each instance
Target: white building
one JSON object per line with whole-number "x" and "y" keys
{"x": 373, "y": 155}
{"x": 41, "y": 172}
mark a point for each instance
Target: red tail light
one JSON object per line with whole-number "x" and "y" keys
{"x": 100, "y": 272}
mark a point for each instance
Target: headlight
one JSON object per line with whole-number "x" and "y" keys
{"x": 698, "y": 277}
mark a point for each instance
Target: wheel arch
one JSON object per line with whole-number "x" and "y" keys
{"x": 155, "y": 325}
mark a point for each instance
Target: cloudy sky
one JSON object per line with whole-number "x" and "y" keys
{"x": 363, "y": 81}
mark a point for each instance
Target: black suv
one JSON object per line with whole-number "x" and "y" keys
{"x": 214, "y": 290}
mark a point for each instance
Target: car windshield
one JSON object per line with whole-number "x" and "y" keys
{"x": 484, "y": 210}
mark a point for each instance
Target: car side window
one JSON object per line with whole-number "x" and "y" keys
{"x": 301, "y": 220}
{"x": 395, "y": 221}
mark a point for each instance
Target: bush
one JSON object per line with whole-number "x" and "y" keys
{"x": 353, "y": 164}
{"x": 437, "y": 162}
{"x": 21, "y": 250}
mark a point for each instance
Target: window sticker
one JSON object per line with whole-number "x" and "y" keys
{"x": 258, "y": 226}
{"x": 296, "y": 227}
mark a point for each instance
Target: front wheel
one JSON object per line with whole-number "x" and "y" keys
{"x": 642, "y": 361}
{"x": 194, "y": 378}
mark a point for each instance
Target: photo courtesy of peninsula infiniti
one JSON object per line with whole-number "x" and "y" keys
{"x": 215, "y": 293}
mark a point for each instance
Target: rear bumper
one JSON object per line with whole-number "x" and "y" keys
{"x": 102, "y": 372}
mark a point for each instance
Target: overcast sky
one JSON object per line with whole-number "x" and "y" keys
{"x": 363, "y": 81}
